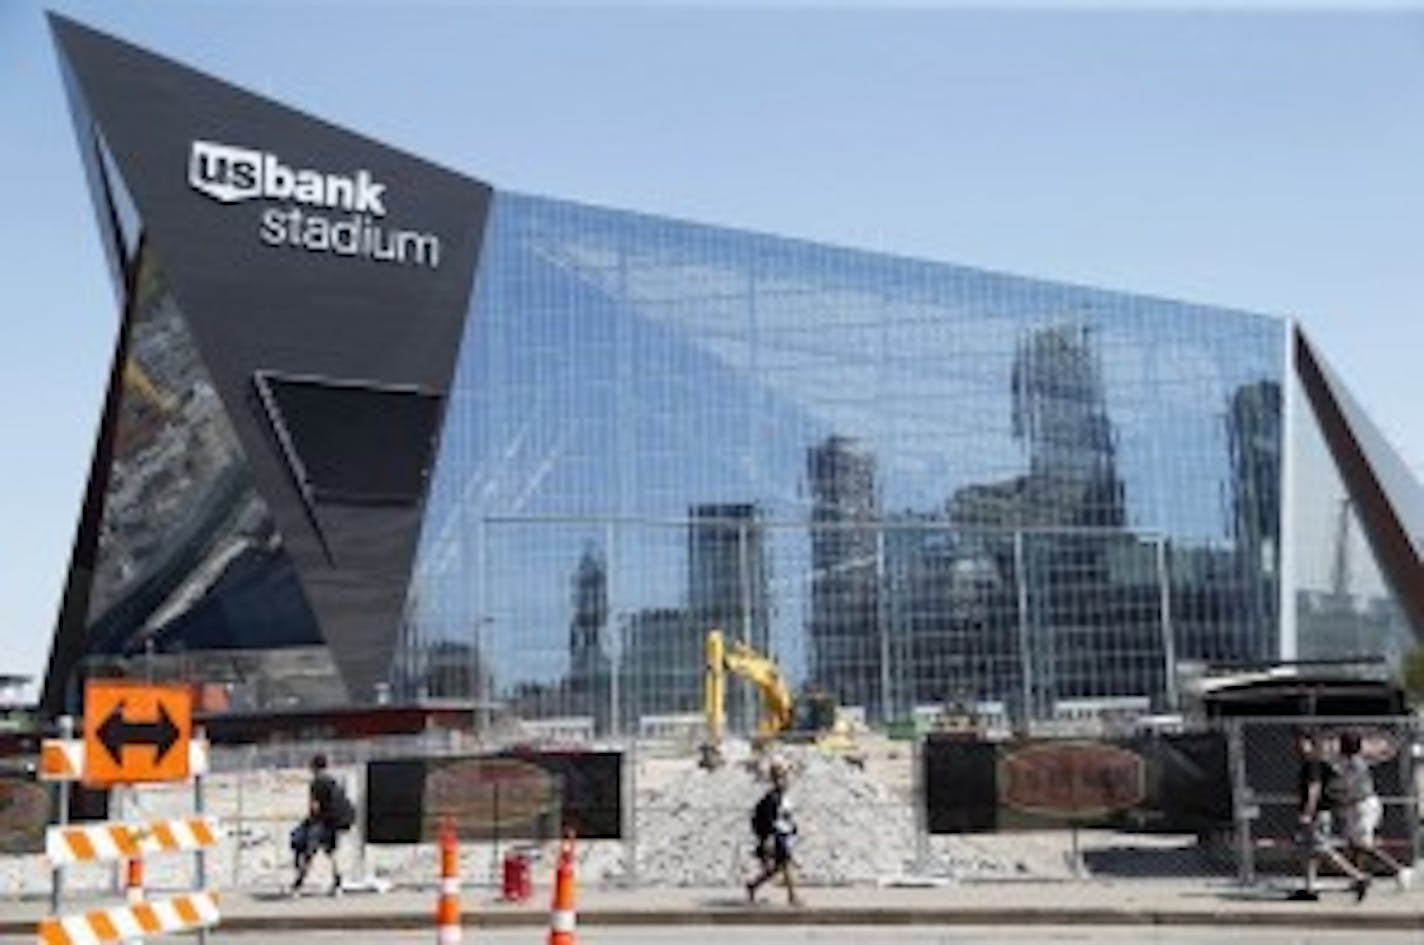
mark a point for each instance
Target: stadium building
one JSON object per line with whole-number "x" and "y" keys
{"x": 379, "y": 432}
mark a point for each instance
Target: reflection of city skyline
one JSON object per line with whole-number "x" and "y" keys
{"x": 891, "y": 445}
{"x": 936, "y": 590}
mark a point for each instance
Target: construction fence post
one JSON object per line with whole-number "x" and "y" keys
{"x": 920, "y": 800}
{"x": 363, "y": 777}
{"x": 200, "y": 807}
{"x": 630, "y": 813}
{"x": 1412, "y": 759}
{"x": 62, "y": 789}
{"x": 239, "y": 813}
{"x": 1243, "y": 803}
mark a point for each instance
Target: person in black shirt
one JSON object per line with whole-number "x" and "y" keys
{"x": 775, "y": 830}
{"x": 1316, "y": 834}
{"x": 329, "y": 812}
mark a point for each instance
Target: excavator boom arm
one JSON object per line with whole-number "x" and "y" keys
{"x": 763, "y": 673}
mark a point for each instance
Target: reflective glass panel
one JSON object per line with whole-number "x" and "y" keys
{"x": 908, "y": 482}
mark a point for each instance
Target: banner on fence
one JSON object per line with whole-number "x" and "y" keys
{"x": 1159, "y": 783}
{"x": 512, "y": 795}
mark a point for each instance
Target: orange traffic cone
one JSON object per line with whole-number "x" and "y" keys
{"x": 133, "y": 880}
{"x": 447, "y": 907}
{"x": 564, "y": 916}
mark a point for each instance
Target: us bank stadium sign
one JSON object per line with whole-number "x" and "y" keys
{"x": 320, "y": 212}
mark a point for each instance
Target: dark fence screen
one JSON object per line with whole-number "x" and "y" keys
{"x": 516, "y": 795}
{"x": 1158, "y": 783}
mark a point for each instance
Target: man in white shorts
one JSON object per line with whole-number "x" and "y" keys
{"x": 1358, "y": 811}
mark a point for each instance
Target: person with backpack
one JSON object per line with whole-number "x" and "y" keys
{"x": 1358, "y": 808}
{"x": 330, "y": 813}
{"x": 775, "y": 831}
{"x": 1315, "y": 835}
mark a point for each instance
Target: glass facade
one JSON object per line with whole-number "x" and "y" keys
{"x": 909, "y": 482}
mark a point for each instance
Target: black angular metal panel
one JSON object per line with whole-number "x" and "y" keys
{"x": 294, "y": 249}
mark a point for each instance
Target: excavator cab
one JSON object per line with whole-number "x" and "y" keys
{"x": 816, "y": 711}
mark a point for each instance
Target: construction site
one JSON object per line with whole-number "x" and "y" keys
{"x": 870, "y": 809}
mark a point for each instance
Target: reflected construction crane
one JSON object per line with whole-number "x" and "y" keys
{"x": 138, "y": 381}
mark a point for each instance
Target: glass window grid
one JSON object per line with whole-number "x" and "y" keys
{"x": 619, "y": 370}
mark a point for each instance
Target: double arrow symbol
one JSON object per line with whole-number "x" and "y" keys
{"x": 116, "y": 733}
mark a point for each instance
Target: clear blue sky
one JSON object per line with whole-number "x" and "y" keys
{"x": 1269, "y": 160}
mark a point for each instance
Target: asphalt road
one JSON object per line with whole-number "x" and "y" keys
{"x": 902, "y": 935}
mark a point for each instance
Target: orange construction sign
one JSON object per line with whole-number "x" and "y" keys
{"x": 136, "y": 732}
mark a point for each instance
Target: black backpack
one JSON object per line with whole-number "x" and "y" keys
{"x": 764, "y": 814}
{"x": 340, "y": 813}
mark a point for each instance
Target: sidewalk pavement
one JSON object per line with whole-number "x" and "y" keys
{"x": 1091, "y": 902}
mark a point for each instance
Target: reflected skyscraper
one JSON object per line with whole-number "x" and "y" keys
{"x": 727, "y": 571}
{"x": 1060, "y": 415}
{"x": 728, "y": 581}
{"x": 1253, "y": 433}
{"x": 589, "y": 678}
{"x": 660, "y": 668}
{"x": 845, "y": 621}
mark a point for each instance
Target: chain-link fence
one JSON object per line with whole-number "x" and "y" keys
{"x": 1217, "y": 803}
{"x": 1268, "y": 784}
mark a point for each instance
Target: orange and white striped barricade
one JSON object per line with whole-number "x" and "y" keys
{"x": 563, "y": 917}
{"x": 62, "y": 759}
{"x": 89, "y": 843}
{"x": 96, "y": 843}
{"x": 65, "y": 760}
{"x": 447, "y": 906}
{"x": 182, "y": 913}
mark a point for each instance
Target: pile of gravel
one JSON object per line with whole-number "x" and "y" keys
{"x": 696, "y": 831}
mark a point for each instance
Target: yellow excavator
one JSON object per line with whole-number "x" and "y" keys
{"x": 812, "y": 717}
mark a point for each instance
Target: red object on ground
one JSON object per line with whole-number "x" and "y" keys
{"x": 518, "y": 883}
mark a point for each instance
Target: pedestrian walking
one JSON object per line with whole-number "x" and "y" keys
{"x": 330, "y": 813}
{"x": 1358, "y": 808}
{"x": 1315, "y": 835}
{"x": 775, "y": 829}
